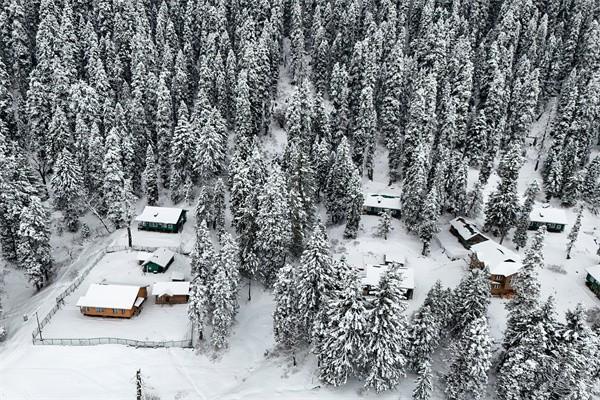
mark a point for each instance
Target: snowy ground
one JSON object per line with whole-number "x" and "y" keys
{"x": 249, "y": 368}
{"x": 155, "y": 322}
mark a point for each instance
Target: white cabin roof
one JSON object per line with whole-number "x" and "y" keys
{"x": 101, "y": 295}
{"x": 550, "y": 215}
{"x": 143, "y": 255}
{"x": 594, "y": 272}
{"x": 371, "y": 275}
{"x": 177, "y": 276}
{"x": 161, "y": 215}
{"x": 161, "y": 257}
{"x": 499, "y": 259}
{"x": 171, "y": 288}
{"x": 465, "y": 228}
{"x": 380, "y": 200}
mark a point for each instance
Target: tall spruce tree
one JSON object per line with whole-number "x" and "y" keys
{"x": 33, "y": 250}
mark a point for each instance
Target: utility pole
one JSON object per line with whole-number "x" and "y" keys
{"x": 138, "y": 384}
{"x": 39, "y": 327}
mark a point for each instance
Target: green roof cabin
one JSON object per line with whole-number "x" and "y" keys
{"x": 555, "y": 219}
{"x": 375, "y": 203}
{"x": 592, "y": 280}
{"x": 159, "y": 261}
{"x": 161, "y": 219}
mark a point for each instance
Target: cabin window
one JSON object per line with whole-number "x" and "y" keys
{"x": 170, "y": 226}
{"x": 495, "y": 285}
{"x": 98, "y": 309}
{"x": 115, "y": 311}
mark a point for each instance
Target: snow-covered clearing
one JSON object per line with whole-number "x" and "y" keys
{"x": 155, "y": 322}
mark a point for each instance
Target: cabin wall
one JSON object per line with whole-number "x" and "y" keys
{"x": 551, "y": 227}
{"x": 176, "y": 299}
{"x": 108, "y": 312}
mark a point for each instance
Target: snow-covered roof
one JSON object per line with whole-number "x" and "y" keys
{"x": 170, "y": 288}
{"x": 547, "y": 214}
{"x": 387, "y": 201}
{"x": 371, "y": 275}
{"x": 465, "y": 228}
{"x": 594, "y": 272}
{"x": 161, "y": 215}
{"x": 161, "y": 257}
{"x": 143, "y": 255}
{"x": 499, "y": 259}
{"x": 101, "y": 295}
{"x": 177, "y": 276}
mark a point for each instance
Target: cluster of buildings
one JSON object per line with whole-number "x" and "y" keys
{"x": 502, "y": 263}
{"x": 126, "y": 301}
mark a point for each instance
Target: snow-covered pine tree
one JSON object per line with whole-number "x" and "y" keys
{"x": 576, "y": 353}
{"x": 428, "y": 226}
{"x": 301, "y": 195}
{"x": 343, "y": 350}
{"x": 414, "y": 188}
{"x": 387, "y": 334}
{"x": 223, "y": 289}
{"x": 198, "y": 304}
{"x": 502, "y": 207}
{"x": 338, "y": 182}
{"x": 525, "y": 302}
{"x": 526, "y": 367}
{"x": 67, "y": 185}
{"x": 470, "y": 300}
{"x": 423, "y": 383}
{"x": 114, "y": 181}
{"x": 316, "y": 280}
{"x": 218, "y": 203}
{"x": 520, "y": 235}
{"x": 384, "y": 226}
{"x": 423, "y": 337}
{"x": 286, "y": 321}
{"x": 202, "y": 256}
{"x": 33, "y": 249}
{"x": 472, "y": 358}
{"x": 355, "y": 202}
{"x": 150, "y": 177}
{"x": 574, "y": 233}
{"x": 475, "y": 201}
{"x": 274, "y": 228}
{"x": 211, "y": 147}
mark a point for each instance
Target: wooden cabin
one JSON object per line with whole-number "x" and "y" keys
{"x": 116, "y": 301}
{"x": 466, "y": 232}
{"x": 555, "y": 219}
{"x": 376, "y": 203}
{"x": 371, "y": 274}
{"x": 502, "y": 263}
{"x": 592, "y": 279}
{"x": 160, "y": 261}
{"x": 161, "y": 219}
{"x": 171, "y": 292}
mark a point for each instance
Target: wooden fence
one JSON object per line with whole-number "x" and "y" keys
{"x": 37, "y": 334}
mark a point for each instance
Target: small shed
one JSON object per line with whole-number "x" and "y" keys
{"x": 161, "y": 219}
{"x": 466, "y": 232}
{"x": 171, "y": 292}
{"x": 371, "y": 275}
{"x": 555, "y": 219}
{"x": 117, "y": 301}
{"x": 375, "y": 203}
{"x": 592, "y": 279}
{"x": 502, "y": 263}
{"x": 159, "y": 261}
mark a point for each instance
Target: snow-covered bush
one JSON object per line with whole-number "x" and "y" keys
{"x": 3, "y": 334}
